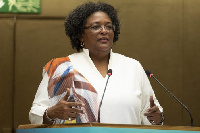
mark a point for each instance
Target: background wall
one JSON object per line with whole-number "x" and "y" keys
{"x": 164, "y": 35}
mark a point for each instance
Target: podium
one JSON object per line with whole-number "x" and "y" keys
{"x": 104, "y": 128}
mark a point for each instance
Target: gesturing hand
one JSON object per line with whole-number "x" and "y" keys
{"x": 153, "y": 113}
{"x": 64, "y": 109}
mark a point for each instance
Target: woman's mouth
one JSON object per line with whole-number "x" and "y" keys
{"x": 103, "y": 40}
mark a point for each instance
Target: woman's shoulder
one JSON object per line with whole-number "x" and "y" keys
{"x": 128, "y": 63}
{"x": 52, "y": 65}
{"x": 125, "y": 59}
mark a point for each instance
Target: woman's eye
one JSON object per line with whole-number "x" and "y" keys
{"x": 95, "y": 27}
{"x": 108, "y": 27}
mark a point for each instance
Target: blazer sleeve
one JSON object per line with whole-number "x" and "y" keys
{"x": 147, "y": 91}
{"x": 40, "y": 103}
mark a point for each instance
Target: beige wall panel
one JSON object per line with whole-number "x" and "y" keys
{"x": 58, "y": 7}
{"x": 6, "y": 73}
{"x": 37, "y": 42}
{"x": 151, "y": 33}
{"x": 191, "y": 60}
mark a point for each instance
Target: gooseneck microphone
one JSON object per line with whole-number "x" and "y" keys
{"x": 109, "y": 73}
{"x": 151, "y": 75}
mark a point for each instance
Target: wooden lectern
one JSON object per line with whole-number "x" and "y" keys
{"x": 104, "y": 128}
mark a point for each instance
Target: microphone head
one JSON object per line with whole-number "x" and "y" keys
{"x": 148, "y": 73}
{"x": 109, "y": 72}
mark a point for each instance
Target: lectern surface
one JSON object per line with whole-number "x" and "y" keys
{"x": 104, "y": 128}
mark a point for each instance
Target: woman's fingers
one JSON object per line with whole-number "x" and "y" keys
{"x": 74, "y": 110}
{"x": 74, "y": 104}
{"x": 64, "y": 109}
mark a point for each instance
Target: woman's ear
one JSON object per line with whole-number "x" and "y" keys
{"x": 82, "y": 42}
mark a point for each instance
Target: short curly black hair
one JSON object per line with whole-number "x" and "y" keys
{"x": 75, "y": 22}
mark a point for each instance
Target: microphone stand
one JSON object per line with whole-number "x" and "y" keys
{"x": 151, "y": 75}
{"x": 109, "y": 74}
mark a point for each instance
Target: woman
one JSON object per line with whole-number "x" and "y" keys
{"x": 82, "y": 76}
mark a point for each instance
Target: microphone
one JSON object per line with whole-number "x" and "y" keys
{"x": 109, "y": 73}
{"x": 71, "y": 99}
{"x": 151, "y": 75}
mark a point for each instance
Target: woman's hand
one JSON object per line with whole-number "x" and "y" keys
{"x": 64, "y": 110}
{"x": 153, "y": 113}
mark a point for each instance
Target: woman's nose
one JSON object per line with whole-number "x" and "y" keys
{"x": 104, "y": 30}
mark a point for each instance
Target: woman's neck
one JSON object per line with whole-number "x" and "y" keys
{"x": 101, "y": 63}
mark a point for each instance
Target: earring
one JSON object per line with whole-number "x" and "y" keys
{"x": 82, "y": 44}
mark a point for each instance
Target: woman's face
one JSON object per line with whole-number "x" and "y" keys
{"x": 98, "y": 34}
